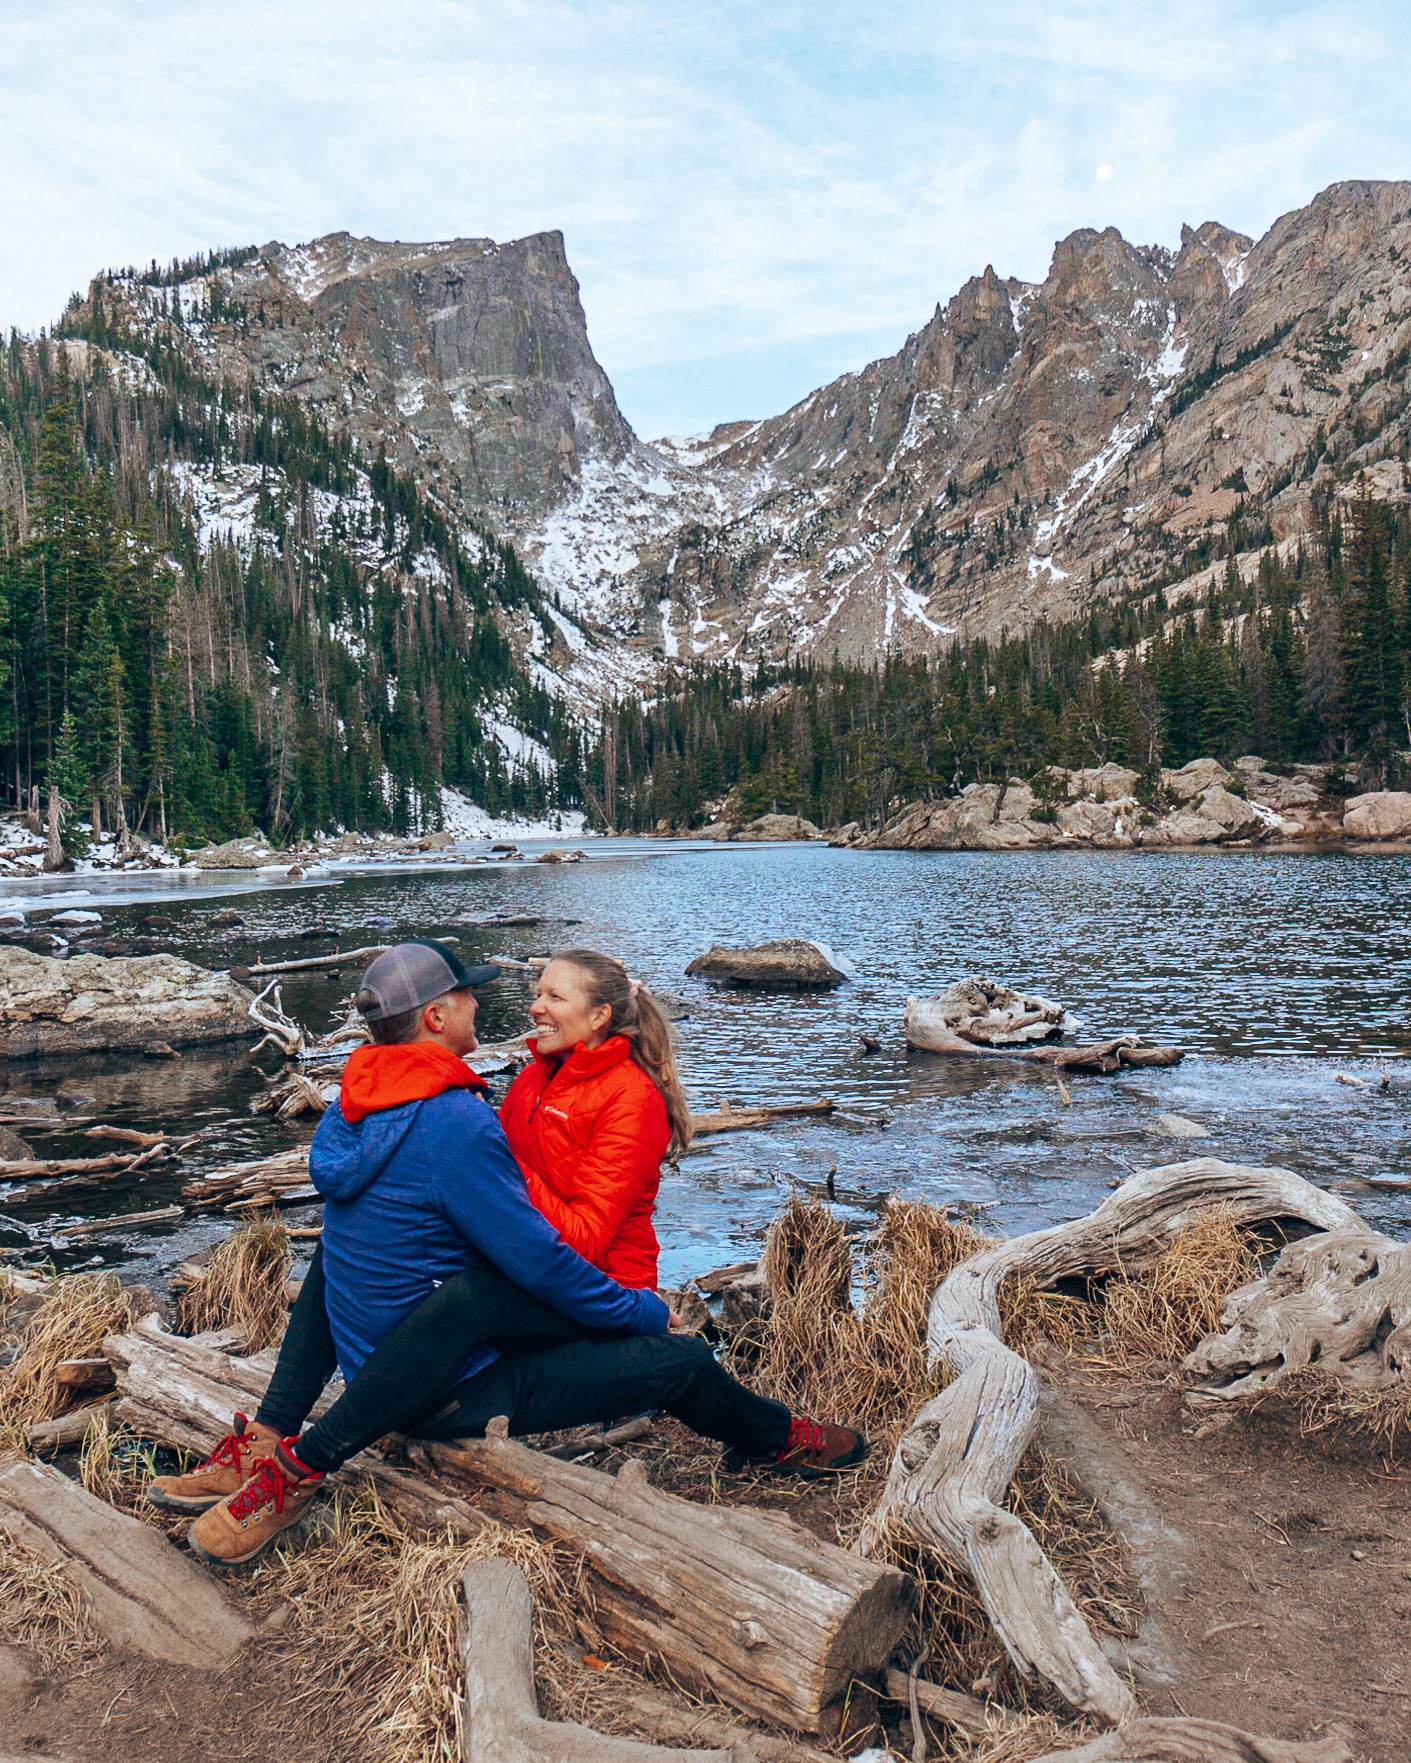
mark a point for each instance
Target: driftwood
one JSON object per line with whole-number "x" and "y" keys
{"x": 968, "y": 1715}
{"x": 728, "y": 1118}
{"x": 666, "y": 1720}
{"x": 961, "y": 1450}
{"x": 27, "y": 1168}
{"x": 745, "y": 1605}
{"x": 980, "y": 1016}
{"x": 304, "y": 963}
{"x": 1196, "y": 1741}
{"x": 1340, "y": 1300}
{"x": 67, "y": 1431}
{"x": 97, "y": 1227}
{"x": 501, "y": 1722}
{"x": 143, "y": 1594}
{"x": 263, "y": 1180}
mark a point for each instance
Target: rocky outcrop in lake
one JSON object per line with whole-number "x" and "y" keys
{"x": 1112, "y": 806}
{"x": 90, "y": 1004}
{"x": 788, "y": 964}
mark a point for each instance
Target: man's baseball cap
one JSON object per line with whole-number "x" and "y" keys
{"x": 411, "y": 974}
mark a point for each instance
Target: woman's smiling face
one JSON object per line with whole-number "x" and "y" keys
{"x": 563, "y": 1013}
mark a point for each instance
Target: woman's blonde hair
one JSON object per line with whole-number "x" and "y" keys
{"x": 637, "y": 1015}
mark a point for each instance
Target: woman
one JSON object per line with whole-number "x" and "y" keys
{"x": 589, "y": 1121}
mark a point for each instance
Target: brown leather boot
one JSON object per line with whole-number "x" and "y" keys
{"x": 220, "y": 1475}
{"x": 814, "y": 1448}
{"x": 274, "y": 1498}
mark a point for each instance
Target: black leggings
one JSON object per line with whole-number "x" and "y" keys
{"x": 412, "y": 1371}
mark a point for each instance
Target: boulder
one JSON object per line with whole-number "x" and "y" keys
{"x": 789, "y": 964}
{"x": 980, "y": 1012}
{"x": 1089, "y": 822}
{"x": 1217, "y": 818}
{"x": 234, "y": 854}
{"x": 91, "y": 1004}
{"x": 779, "y": 826}
{"x": 1283, "y": 794}
{"x": 718, "y": 830}
{"x": 1194, "y": 779}
{"x": 560, "y": 855}
{"x": 1380, "y": 814}
{"x": 1105, "y": 783}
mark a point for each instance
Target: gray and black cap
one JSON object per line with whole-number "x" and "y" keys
{"x": 411, "y": 974}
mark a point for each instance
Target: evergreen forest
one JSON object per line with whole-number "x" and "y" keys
{"x": 332, "y": 670}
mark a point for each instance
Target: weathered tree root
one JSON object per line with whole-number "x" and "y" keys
{"x": 501, "y": 1722}
{"x": 1196, "y": 1741}
{"x": 962, "y": 1449}
{"x": 1340, "y": 1300}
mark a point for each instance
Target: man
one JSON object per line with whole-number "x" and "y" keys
{"x": 420, "y": 1186}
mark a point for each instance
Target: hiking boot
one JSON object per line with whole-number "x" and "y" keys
{"x": 814, "y": 1448}
{"x": 221, "y": 1475}
{"x": 273, "y": 1499}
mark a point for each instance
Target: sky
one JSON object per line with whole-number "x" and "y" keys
{"x": 756, "y": 195}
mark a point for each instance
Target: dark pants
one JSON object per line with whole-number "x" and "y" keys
{"x": 600, "y": 1380}
{"x": 411, "y": 1375}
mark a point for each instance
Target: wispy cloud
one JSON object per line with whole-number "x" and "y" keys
{"x": 754, "y": 198}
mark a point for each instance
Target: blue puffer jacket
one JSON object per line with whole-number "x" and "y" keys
{"x": 417, "y": 1193}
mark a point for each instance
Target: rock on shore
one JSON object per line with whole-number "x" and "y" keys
{"x": 1381, "y": 814}
{"x": 91, "y": 1004}
{"x": 1110, "y": 807}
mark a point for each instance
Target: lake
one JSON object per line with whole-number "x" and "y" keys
{"x": 1275, "y": 972}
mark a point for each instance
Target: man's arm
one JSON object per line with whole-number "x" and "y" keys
{"x": 484, "y": 1196}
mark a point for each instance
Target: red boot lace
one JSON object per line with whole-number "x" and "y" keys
{"x": 267, "y": 1482}
{"x": 227, "y": 1453}
{"x": 804, "y": 1435}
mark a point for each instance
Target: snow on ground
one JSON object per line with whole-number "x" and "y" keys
{"x": 463, "y": 819}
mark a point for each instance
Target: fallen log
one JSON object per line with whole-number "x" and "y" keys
{"x": 97, "y": 1227}
{"x": 1196, "y": 1741}
{"x": 728, "y": 1118}
{"x": 500, "y": 1721}
{"x": 143, "y": 1594}
{"x": 26, "y": 1168}
{"x": 745, "y": 1605}
{"x": 85, "y": 1374}
{"x": 304, "y": 963}
{"x": 127, "y": 1135}
{"x": 67, "y": 1431}
{"x": 184, "y": 1390}
{"x": 961, "y": 1451}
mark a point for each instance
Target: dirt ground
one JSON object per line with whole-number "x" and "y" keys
{"x": 1275, "y": 1572}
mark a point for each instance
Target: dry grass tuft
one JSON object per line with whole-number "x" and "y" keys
{"x": 376, "y": 1606}
{"x": 1157, "y": 1313}
{"x": 115, "y": 1465}
{"x": 41, "y": 1608}
{"x": 817, "y": 1353}
{"x": 1325, "y": 1408}
{"x": 242, "y": 1286}
{"x": 71, "y": 1322}
{"x": 1162, "y": 1312}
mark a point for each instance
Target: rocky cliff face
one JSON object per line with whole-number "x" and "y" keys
{"x": 1031, "y": 449}
{"x": 469, "y": 361}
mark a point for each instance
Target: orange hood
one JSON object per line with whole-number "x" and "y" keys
{"x": 384, "y": 1077}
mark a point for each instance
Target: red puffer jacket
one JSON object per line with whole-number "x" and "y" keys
{"x": 590, "y": 1134}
